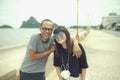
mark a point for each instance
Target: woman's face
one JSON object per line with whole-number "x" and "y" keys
{"x": 61, "y": 38}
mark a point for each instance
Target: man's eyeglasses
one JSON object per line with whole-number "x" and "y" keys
{"x": 45, "y": 29}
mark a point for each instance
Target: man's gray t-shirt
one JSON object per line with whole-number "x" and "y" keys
{"x": 34, "y": 66}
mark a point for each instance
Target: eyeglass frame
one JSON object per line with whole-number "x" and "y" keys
{"x": 47, "y": 29}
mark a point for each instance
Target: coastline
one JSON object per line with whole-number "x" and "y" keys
{"x": 12, "y": 46}
{"x": 13, "y": 55}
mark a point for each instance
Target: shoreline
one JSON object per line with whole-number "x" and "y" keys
{"x": 12, "y": 46}
{"x": 13, "y": 56}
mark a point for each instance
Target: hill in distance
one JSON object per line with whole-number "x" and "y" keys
{"x": 6, "y": 26}
{"x": 32, "y": 23}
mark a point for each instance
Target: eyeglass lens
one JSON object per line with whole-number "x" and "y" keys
{"x": 45, "y": 29}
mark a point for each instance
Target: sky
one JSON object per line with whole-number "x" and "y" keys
{"x": 62, "y": 12}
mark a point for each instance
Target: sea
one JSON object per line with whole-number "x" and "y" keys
{"x": 17, "y": 37}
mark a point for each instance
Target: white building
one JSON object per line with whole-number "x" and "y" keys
{"x": 109, "y": 22}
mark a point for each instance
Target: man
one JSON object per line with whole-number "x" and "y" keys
{"x": 38, "y": 50}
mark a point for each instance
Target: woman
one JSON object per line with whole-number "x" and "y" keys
{"x": 68, "y": 67}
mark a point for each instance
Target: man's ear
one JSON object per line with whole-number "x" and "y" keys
{"x": 40, "y": 29}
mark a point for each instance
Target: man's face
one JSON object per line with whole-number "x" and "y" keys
{"x": 46, "y": 30}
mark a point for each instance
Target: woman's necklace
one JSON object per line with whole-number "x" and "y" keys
{"x": 66, "y": 67}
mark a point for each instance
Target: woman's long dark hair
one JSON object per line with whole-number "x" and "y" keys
{"x": 68, "y": 41}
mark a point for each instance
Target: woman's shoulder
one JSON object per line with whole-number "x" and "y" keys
{"x": 80, "y": 44}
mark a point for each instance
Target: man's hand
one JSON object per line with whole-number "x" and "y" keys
{"x": 52, "y": 48}
{"x": 77, "y": 51}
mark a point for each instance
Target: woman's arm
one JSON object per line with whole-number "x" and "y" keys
{"x": 83, "y": 74}
{"x": 76, "y": 49}
{"x": 58, "y": 70}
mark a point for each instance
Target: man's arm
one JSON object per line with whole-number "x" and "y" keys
{"x": 76, "y": 49}
{"x": 34, "y": 55}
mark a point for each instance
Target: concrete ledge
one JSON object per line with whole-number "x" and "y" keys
{"x": 7, "y": 72}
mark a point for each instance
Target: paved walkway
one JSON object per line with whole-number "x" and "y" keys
{"x": 103, "y": 56}
{"x": 102, "y": 52}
